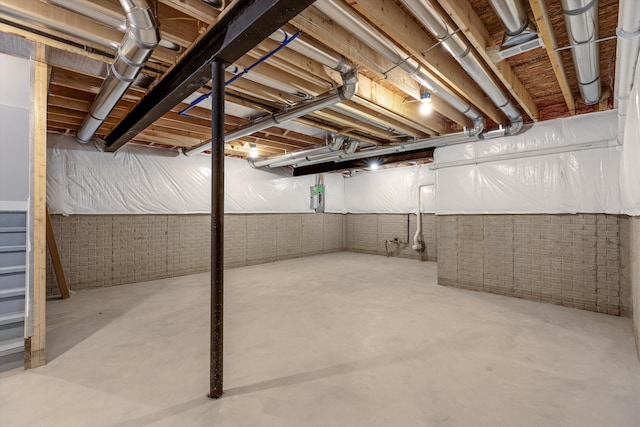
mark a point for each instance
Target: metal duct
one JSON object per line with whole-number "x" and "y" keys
{"x": 459, "y": 138}
{"x": 335, "y": 155}
{"x": 339, "y": 64}
{"x": 468, "y": 60}
{"x": 627, "y": 49}
{"x": 344, "y": 16}
{"x": 294, "y": 157}
{"x": 581, "y": 19}
{"x": 344, "y": 92}
{"x": 103, "y": 15}
{"x": 518, "y": 28}
{"x": 302, "y": 47}
{"x": 52, "y": 24}
{"x": 141, "y": 37}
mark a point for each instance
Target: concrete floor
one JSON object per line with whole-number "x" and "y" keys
{"x": 342, "y": 339}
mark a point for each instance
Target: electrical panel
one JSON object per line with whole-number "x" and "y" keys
{"x": 317, "y": 197}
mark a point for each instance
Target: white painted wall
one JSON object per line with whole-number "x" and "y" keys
{"x": 15, "y": 102}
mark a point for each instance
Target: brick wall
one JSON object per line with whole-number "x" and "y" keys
{"x": 571, "y": 260}
{"x": 368, "y": 232}
{"x": 108, "y": 250}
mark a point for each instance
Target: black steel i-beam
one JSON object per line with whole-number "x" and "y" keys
{"x": 240, "y": 27}
{"x": 364, "y": 163}
{"x": 217, "y": 227}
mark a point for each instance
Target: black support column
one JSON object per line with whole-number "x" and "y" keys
{"x": 217, "y": 226}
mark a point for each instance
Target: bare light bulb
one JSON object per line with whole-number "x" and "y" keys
{"x": 373, "y": 166}
{"x": 426, "y": 108}
{"x": 253, "y": 151}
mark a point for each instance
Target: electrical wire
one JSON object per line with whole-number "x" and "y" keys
{"x": 288, "y": 39}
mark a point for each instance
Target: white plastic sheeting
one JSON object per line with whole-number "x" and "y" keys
{"x": 141, "y": 180}
{"x": 137, "y": 180}
{"x": 580, "y": 181}
{"x": 393, "y": 190}
{"x": 630, "y": 159}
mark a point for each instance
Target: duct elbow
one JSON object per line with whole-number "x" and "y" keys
{"x": 514, "y": 127}
{"x": 337, "y": 143}
{"x": 478, "y": 127}
{"x": 141, "y": 23}
{"x": 141, "y": 38}
{"x": 350, "y": 84}
{"x": 343, "y": 67}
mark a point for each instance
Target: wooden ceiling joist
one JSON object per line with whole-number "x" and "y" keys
{"x": 469, "y": 23}
{"x": 402, "y": 28}
{"x": 98, "y": 36}
{"x": 546, "y": 32}
{"x": 343, "y": 42}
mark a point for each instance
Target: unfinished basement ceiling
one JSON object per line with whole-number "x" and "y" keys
{"x": 385, "y": 109}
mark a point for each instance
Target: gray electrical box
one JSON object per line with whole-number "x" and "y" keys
{"x": 317, "y": 197}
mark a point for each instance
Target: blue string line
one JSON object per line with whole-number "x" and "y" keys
{"x": 288, "y": 39}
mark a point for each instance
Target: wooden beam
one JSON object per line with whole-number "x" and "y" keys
{"x": 55, "y": 259}
{"x": 546, "y": 32}
{"x": 301, "y": 82}
{"x": 265, "y": 143}
{"x": 295, "y": 62}
{"x": 293, "y": 136}
{"x": 337, "y": 130}
{"x": 35, "y": 345}
{"x": 394, "y": 21}
{"x": 194, "y": 8}
{"x": 87, "y": 32}
{"x": 374, "y": 65}
{"x": 256, "y": 89}
{"x": 371, "y": 92}
{"x": 46, "y": 41}
{"x": 381, "y": 118}
{"x": 176, "y": 26}
{"x": 345, "y": 120}
{"x": 469, "y": 22}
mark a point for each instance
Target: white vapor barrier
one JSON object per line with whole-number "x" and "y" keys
{"x": 393, "y": 190}
{"x": 630, "y": 159}
{"x": 568, "y": 182}
{"x": 141, "y": 180}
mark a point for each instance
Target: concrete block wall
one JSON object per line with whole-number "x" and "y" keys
{"x": 367, "y": 233}
{"x": 109, "y": 250}
{"x": 571, "y": 260}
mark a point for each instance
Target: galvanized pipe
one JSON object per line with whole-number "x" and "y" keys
{"x": 141, "y": 38}
{"x": 344, "y": 92}
{"x": 442, "y": 141}
{"x": 346, "y": 18}
{"x": 581, "y": 19}
{"x": 295, "y": 156}
{"x": 104, "y": 16}
{"x": 302, "y": 47}
{"x": 518, "y": 28}
{"x": 468, "y": 60}
{"x": 317, "y": 157}
{"x": 52, "y": 24}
